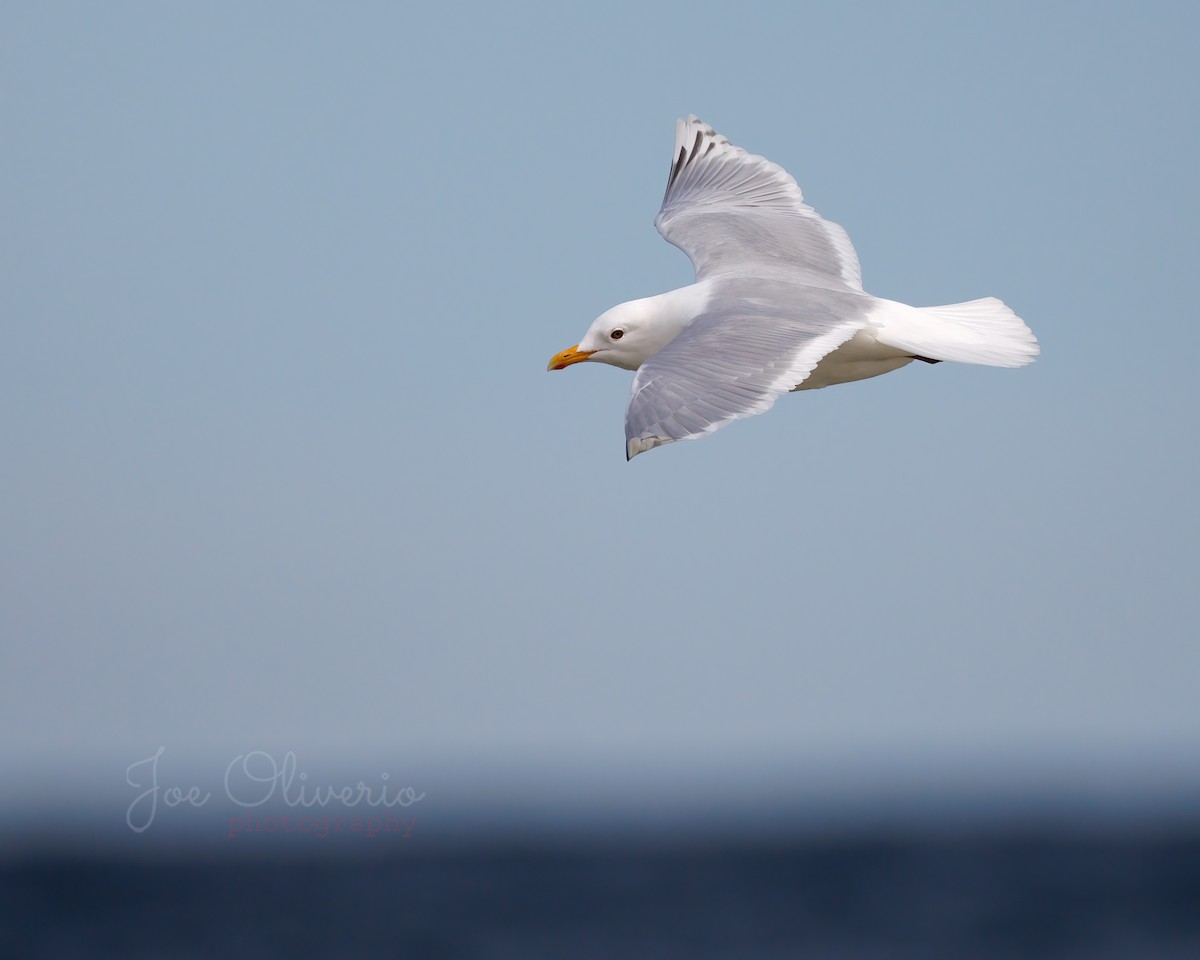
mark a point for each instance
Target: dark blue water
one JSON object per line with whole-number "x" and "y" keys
{"x": 973, "y": 898}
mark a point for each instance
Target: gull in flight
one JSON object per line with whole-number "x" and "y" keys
{"x": 778, "y": 305}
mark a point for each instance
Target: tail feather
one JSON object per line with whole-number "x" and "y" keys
{"x": 979, "y": 331}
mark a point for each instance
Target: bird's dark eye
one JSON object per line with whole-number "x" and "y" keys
{"x": 617, "y": 334}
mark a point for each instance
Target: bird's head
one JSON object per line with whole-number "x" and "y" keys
{"x": 625, "y": 336}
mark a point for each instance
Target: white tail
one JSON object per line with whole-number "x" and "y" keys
{"x": 978, "y": 331}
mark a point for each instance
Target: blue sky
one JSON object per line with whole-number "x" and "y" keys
{"x": 283, "y": 469}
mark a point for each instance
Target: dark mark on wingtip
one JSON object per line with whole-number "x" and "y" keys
{"x": 678, "y": 166}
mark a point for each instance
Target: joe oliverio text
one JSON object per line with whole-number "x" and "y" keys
{"x": 256, "y": 778}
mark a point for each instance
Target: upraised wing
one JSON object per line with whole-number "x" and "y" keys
{"x": 755, "y": 342}
{"x": 735, "y": 214}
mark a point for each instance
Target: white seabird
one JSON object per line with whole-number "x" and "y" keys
{"x": 777, "y": 305}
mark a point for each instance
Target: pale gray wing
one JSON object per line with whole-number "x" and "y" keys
{"x": 735, "y": 214}
{"x": 735, "y": 360}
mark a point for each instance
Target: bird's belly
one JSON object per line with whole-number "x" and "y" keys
{"x": 859, "y": 358}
